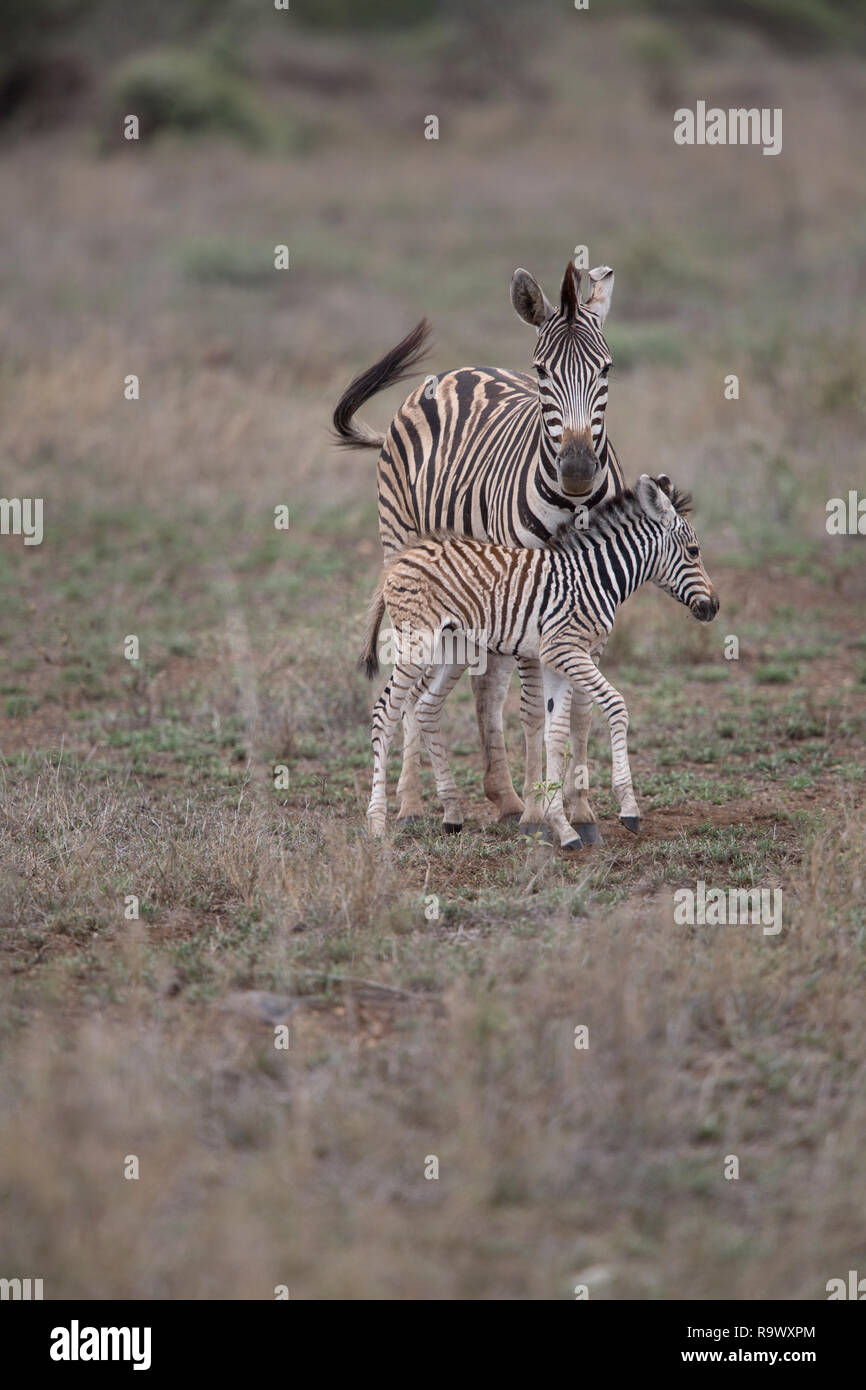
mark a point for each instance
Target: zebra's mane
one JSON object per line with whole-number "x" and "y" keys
{"x": 608, "y": 515}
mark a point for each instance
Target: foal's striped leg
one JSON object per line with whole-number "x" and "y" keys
{"x": 579, "y": 810}
{"x": 577, "y": 805}
{"x": 557, "y": 712}
{"x": 584, "y": 673}
{"x": 532, "y": 720}
{"x": 429, "y": 698}
{"x": 385, "y": 717}
{"x": 409, "y": 785}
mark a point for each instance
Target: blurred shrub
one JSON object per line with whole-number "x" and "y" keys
{"x": 37, "y": 86}
{"x": 189, "y": 92}
{"x": 25, "y": 24}
{"x": 838, "y": 370}
{"x": 41, "y": 91}
{"x": 660, "y": 265}
{"x": 219, "y": 260}
{"x": 632, "y": 344}
{"x": 663, "y": 54}
{"x": 774, "y": 674}
{"x": 796, "y": 24}
{"x": 367, "y": 14}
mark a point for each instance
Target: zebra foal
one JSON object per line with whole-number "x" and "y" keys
{"x": 556, "y": 606}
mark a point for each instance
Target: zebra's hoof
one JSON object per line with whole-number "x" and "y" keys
{"x": 451, "y": 827}
{"x": 406, "y": 822}
{"x": 631, "y": 823}
{"x": 589, "y": 833}
{"x": 532, "y": 827}
{"x": 510, "y": 817}
{"x": 571, "y": 845}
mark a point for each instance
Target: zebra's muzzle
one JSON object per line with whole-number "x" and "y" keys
{"x": 705, "y": 609}
{"x": 578, "y": 463}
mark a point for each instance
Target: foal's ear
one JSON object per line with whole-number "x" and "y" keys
{"x": 601, "y": 294}
{"x": 653, "y": 501}
{"x": 665, "y": 484}
{"x": 529, "y": 299}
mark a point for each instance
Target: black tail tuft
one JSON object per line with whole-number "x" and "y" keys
{"x": 395, "y": 366}
{"x": 368, "y": 661}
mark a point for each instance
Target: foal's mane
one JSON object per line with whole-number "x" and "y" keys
{"x": 622, "y": 507}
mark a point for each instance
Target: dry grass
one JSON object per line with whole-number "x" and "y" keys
{"x": 306, "y": 1166}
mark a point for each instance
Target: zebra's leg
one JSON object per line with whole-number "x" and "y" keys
{"x": 385, "y": 717}
{"x": 409, "y": 785}
{"x": 532, "y": 719}
{"x": 586, "y": 676}
{"x": 557, "y": 712}
{"x": 429, "y": 698}
{"x": 578, "y": 809}
{"x": 490, "y": 690}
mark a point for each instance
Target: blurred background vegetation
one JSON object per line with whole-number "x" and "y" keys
{"x": 192, "y": 65}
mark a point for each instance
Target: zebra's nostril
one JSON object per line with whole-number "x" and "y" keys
{"x": 578, "y": 467}
{"x": 707, "y": 609}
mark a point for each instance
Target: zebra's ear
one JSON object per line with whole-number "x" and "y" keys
{"x": 602, "y": 291}
{"x": 529, "y": 299}
{"x": 569, "y": 295}
{"x": 654, "y": 502}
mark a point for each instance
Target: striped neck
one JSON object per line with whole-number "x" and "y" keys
{"x": 627, "y": 543}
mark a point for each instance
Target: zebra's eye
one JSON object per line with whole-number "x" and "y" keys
{"x": 541, "y": 370}
{"x": 605, "y": 370}
{"x": 692, "y": 551}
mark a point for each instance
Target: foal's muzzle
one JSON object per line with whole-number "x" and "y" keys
{"x": 705, "y": 609}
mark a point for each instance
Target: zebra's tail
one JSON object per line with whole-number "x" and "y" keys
{"x": 368, "y": 661}
{"x": 395, "y": 366}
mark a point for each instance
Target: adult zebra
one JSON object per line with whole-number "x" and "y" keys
{"x": 497, "y": 456}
